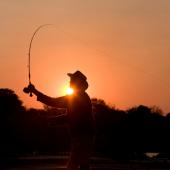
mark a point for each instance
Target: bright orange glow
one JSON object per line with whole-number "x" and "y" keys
{"x": 69, "y": 91}
{"x": 65, "y": 90}
{"x": 117, "y": 61}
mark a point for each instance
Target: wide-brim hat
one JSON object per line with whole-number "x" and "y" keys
{"x": 77, "y": 75}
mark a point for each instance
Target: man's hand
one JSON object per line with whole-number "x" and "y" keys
{"x": 31, "y": 87}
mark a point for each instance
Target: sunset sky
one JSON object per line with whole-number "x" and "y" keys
{"x": 122, "y": 46}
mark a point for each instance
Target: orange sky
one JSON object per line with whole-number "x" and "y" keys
{"x": 121, "y": 45}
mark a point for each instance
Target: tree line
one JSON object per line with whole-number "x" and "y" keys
{"x": 120, "y": 134}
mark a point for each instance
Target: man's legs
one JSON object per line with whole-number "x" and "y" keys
{"x": 85, "y": 167}
{"x": 71, "y": 165}
{"x": 80, "y": 153}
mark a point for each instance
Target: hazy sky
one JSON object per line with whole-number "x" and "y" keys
{"x": 121, "y": 45}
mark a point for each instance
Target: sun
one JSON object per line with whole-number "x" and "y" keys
{"x": 66, "y": 89}
{"x": 69, "y": 91}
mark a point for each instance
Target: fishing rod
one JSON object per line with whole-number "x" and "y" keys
{"x": 26, "y": 89}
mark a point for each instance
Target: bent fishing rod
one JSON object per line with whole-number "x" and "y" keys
{"x": 26, "y": 89}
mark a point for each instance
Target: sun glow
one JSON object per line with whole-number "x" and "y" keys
{"x": 69, "y": 91}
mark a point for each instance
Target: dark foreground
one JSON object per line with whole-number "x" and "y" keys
{"x": 38, "y": 162}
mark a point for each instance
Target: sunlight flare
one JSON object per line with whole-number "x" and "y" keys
{"x": 69, "y": 91}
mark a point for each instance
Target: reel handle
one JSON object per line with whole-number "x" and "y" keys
{"x": 31, "y": 94}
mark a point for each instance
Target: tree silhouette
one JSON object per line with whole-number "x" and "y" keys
{"x": 10, "y": 110}
{"x": 110, "y": 129}
{"x": 9, "y": 102}
{"x": 119, "y": 134}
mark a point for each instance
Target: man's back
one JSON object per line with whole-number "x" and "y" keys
{"x": 80, "y": 114}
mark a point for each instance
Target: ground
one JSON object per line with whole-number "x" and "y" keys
{"x": 98, "y": 162}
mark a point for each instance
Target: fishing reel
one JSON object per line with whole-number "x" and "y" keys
{"x": 27, "y": 90}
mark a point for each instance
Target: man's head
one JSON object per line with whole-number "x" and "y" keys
{"x": 78, "y": 81}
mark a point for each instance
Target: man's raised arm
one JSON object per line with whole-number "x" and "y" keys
{"x": 60, "y": 102}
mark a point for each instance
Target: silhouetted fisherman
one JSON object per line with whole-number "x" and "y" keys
{"x": 80, "y": 120}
